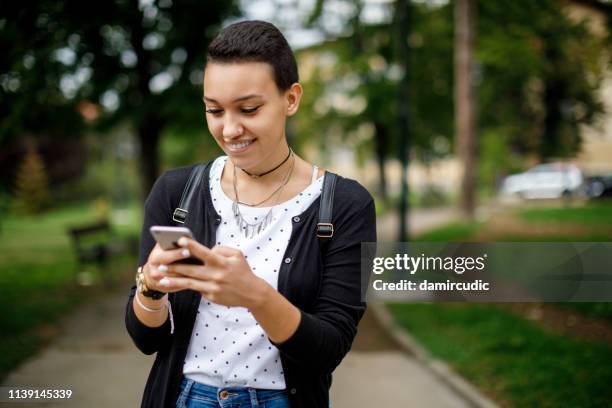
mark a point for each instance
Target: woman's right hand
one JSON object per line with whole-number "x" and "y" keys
{"x": 160, "y": 257}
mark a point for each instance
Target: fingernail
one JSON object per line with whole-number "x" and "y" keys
{"x": 185, "y": 252}
{"x": 162, "y": 268}
{"x": 182, "y": 241}
{"x": 164, "y": 282}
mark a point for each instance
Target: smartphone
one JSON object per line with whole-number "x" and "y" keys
{"x": 167, "y": 238}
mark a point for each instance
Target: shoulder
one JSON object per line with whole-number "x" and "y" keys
{"x": 350, "y": 196}
{"x": 354, "y": 214}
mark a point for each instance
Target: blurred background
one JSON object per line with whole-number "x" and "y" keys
{"x": 468, "y": 120}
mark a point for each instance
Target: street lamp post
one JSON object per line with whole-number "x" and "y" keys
{"x": 403, "y": 21}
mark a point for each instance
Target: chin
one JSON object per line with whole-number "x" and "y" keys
{"x": 241, "y": 161}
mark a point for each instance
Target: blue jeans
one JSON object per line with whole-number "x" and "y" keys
{"x": 197, "y": 395}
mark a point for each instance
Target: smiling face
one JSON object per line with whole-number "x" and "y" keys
{"x": 246, "y": 113}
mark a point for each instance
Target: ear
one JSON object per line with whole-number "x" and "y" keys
{"x": 293, "y": 96}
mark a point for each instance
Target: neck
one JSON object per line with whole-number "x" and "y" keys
{"x": 273, "y": 169}
{"x": 256, "y": 174}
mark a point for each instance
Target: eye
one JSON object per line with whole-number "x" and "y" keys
{"x": 249, "y": 110}
{"x": 214, "y": 111}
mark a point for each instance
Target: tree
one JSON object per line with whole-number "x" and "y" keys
{"x": 142, "y": 60}
{"x": 539, "y": 76}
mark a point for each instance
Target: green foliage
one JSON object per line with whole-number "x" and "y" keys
{"x": 179, "y": 148}
{"x": 31, "y": 186}
{"x": 351, "y": 86}
{"x": 539, "y": 73}
{"x": 431, "y": 81}
{"x": 592, "y": 309}
{"x": 496, "y": 159}
{"x": 110, "y": 172}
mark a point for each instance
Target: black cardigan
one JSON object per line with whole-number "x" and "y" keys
{"x": 323, "y": 280}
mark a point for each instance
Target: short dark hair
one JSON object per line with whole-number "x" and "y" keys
{"x": 256, "y": 41}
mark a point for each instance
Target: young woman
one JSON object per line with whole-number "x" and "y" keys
{"x": 275, "y": 308}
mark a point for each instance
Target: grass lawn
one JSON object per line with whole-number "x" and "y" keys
{"x": 510, "y": 358}
{"x": 513, "y": 359}
{"x": 38, "y": 275}
{"x": 455, "y": 232}
{"x": 595, "y": 213}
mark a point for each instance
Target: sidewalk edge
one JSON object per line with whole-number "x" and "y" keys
{"x": 442, "y": 370}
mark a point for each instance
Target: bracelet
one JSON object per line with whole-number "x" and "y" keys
{"x": 148, "y": 309}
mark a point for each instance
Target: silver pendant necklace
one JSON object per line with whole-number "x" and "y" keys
{"x": 250, "y": 229}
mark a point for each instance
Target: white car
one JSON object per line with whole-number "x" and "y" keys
{"x": 552, "y": 180}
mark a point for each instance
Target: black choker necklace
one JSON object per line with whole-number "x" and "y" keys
{"x": 269, "y": 171}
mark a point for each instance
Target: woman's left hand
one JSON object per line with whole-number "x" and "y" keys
{"x": 225, "y": 278}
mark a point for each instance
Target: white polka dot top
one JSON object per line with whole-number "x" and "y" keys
{"x": 228, "y": 347}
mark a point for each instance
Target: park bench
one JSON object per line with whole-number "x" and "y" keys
{"x": 95, "y": 244}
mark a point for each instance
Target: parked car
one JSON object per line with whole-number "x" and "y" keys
{"x": 551, "y": 180}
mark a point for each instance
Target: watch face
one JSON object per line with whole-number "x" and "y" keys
{"x": 140, "y": 285}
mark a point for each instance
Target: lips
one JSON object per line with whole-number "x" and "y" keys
{"x": 237, "y": 147}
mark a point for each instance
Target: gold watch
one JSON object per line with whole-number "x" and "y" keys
{"x": 141, "y": 286}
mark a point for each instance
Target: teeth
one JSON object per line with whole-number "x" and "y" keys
{"x": 240, "y": 145}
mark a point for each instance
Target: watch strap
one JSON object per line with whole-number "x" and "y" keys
{"x": 141, "y": 286}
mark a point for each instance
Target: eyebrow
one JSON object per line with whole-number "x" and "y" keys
{"x": 242, "y": 98}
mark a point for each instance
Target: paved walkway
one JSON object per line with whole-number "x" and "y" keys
{"x": 377, "y": 372}
{"x": 95, "y": 358}
{"x": 419, "y": 221}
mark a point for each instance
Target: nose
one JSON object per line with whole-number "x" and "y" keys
{"x": 231, "y": 128}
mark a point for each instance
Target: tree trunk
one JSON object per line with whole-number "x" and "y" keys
{"x": 550, "y": 141}
{"x": 465, "y": 109}
{"x": 381, "y": 139}
{"x": 549, "y": 145}
{"x": 149, "y": 125}
{"x": 149, "y": 132}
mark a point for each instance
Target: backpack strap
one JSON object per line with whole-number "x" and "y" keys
{"x": 190, "y": 189}
{"x": 325, "y": 228}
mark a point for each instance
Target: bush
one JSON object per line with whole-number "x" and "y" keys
{"x": 31, "y": 185}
